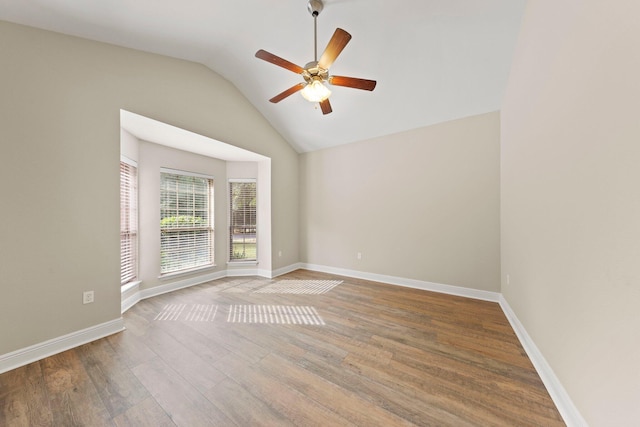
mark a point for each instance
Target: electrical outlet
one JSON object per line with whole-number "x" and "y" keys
{"x": 279, "y": 253}
{"x": 508, "y": 280}
{"x": 359, "y": 255}
{"x": 87, "y": 297}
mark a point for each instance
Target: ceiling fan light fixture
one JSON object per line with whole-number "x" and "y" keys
{"x": 315, "y": 91}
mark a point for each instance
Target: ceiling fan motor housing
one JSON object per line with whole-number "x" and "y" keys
{"x": 315, "y": 7}
{"x": 312, "y": 70}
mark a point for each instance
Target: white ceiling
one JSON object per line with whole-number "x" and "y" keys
{"x": 434, "y": 60}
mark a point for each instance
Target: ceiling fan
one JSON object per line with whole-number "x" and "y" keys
{"x": 316, "y": 73}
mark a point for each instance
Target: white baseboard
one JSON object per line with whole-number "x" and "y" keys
{"x": 559, "y": 395}
{"x": 243, "y": 272}
{"x": 285, "y": 270}
{"x": 180, "y": 284}
{"x": 137, "y": 296}
{"x": 129, "y": 302}
{"x": 409, "y": 283}
{"x": 130, "y": 295}
{"x": 48, "y": 348}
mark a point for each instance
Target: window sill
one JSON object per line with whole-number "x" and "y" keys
{"x": 232, "y": 263}
{"x": 173, "y": 275}
{"x": 131, "y": 285}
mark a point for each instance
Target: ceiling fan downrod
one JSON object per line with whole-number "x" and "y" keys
{"x": 315, "y": 7}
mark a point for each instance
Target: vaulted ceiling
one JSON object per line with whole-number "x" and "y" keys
{"x": 434, "y": 60}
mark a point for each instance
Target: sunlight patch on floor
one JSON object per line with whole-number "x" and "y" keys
{"x": 274, "y": 314}
{"x": 189, "y": 313}
{"x": 299, "y": 287}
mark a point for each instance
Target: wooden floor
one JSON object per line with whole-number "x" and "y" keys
{"x": 363, "y": 353}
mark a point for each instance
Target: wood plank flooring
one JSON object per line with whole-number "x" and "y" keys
{"x": 384, "y": 356}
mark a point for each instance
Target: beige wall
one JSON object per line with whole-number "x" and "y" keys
{"x": 60, "y": 149}
{"x": 571, "y": 199}
{"x": 422, "y": 204}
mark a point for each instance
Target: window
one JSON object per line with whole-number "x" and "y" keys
{"x": 242, "y": 220}
{"x": 128, "y": 221}
{"x": 186, "y": 221}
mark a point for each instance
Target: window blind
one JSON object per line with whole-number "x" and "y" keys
{"x": 242, "y": 221}
{"x": 186, "y": 222}
{"x": 128, "y": 222}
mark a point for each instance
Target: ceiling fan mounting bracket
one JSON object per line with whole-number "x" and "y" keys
{"x": 315, "y": 7}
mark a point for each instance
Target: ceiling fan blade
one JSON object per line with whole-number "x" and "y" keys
{"x": 353, "y": 82}
{"x": 325, "y": 106}
{"x": 276, "y": 60}
{"x": 338, "y": 41}
{"x": 293, "y": 89}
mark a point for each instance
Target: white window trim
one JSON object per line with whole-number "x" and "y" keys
{"x": 173, "y": 274}
{"x": 136, "y": 279}
{"x": 187, "y": 173}
{"x": 245, "y": 180}
{"x": 128, "y": 161}
{"x": 187, "y": 272}
{"x": 231, "y": 262}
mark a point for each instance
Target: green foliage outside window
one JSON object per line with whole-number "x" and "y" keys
{"x": 182, "y": 221}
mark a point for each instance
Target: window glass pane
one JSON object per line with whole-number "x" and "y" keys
{"x": 242, "y": 221}
{"x": 128, "y": 223}
{"x": 186, "y": 222}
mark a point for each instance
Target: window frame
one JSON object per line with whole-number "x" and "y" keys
{"x": 128, "y": 221}
{"x": 252, "y": 224}
{"x": 187, "y": 237}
